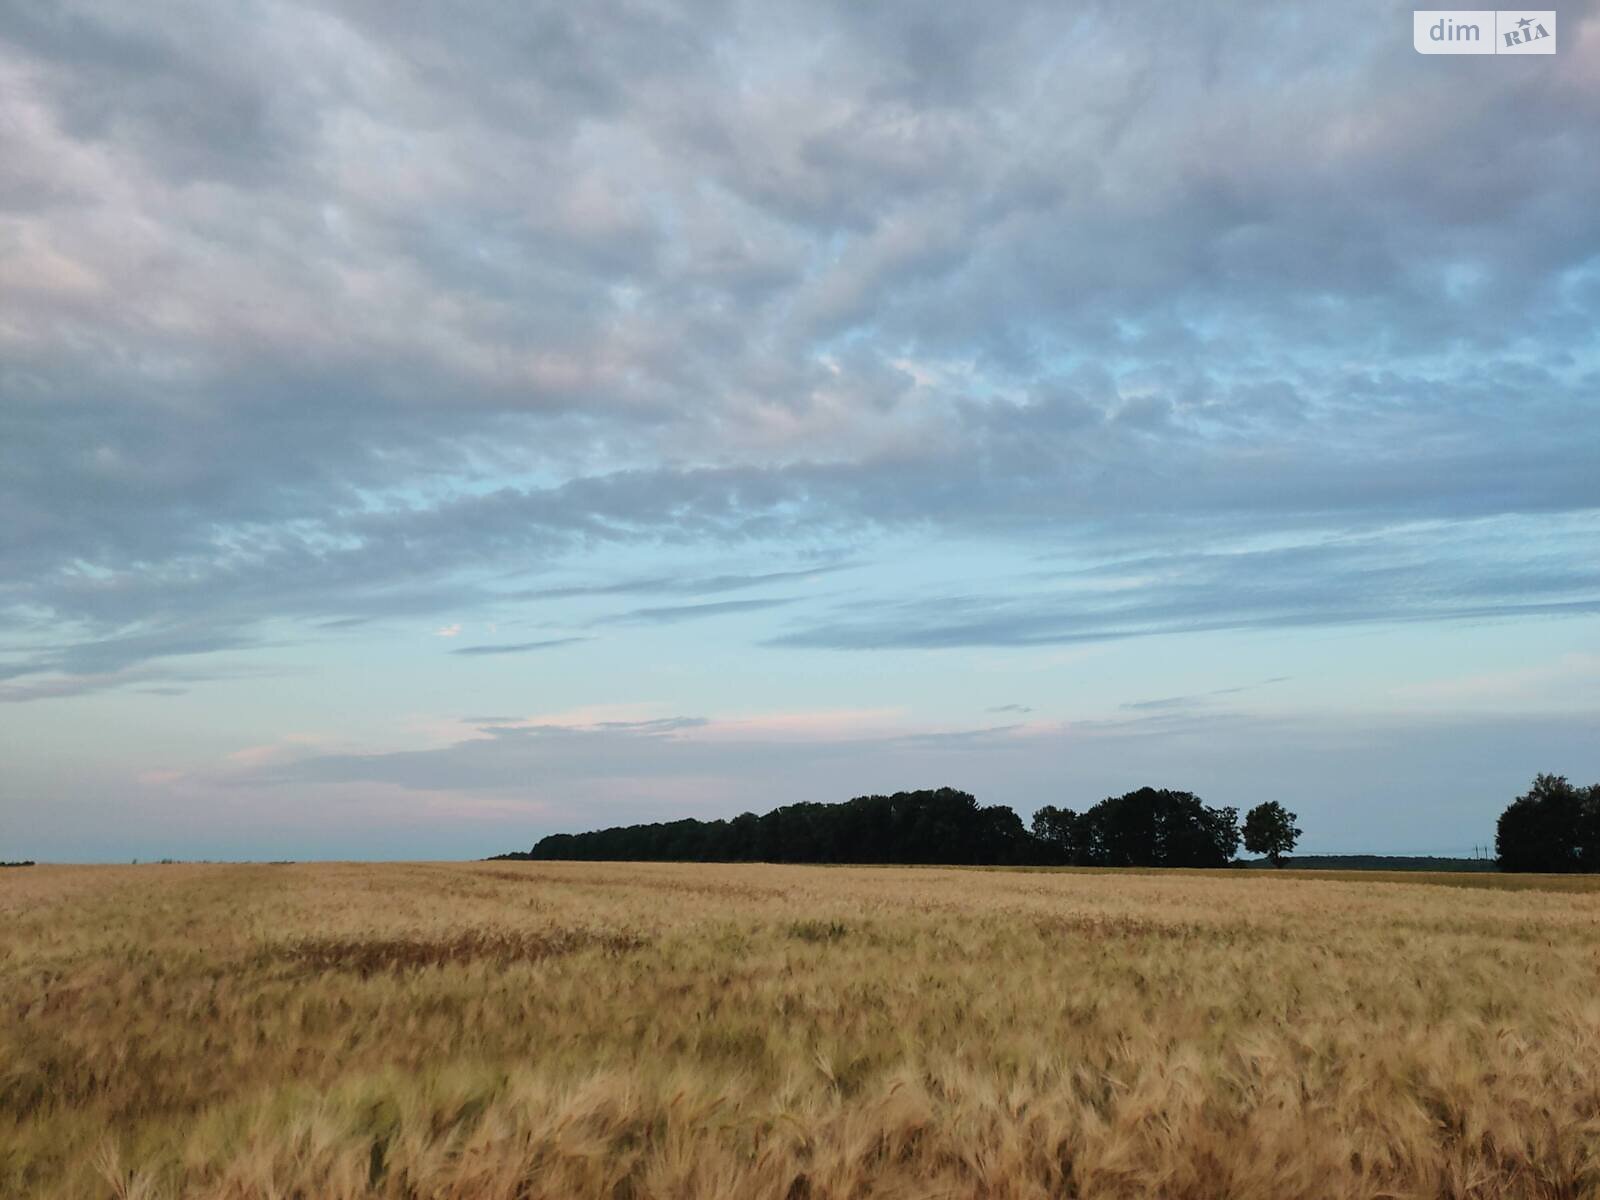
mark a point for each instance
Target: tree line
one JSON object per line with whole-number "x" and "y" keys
{"x": 1150, "y": 827}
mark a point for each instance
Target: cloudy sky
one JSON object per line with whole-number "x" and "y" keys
{"x": 421, "y": 434}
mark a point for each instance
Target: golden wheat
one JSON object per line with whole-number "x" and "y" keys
{"x": 572, "y": 1030}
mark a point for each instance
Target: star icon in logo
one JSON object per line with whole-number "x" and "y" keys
{"x": 1525, "y": 22}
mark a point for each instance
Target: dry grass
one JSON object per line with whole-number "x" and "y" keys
{"x": 569, "y": 1030}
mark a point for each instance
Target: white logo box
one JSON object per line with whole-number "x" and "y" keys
{"x": 1483, "y": 31}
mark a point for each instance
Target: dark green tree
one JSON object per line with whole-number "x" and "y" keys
{"x": 1056, "y": 832}
{"x": 1554, "y": 826}
{"x": 1155, "y": 827}
{"x": 1270, "y": 829}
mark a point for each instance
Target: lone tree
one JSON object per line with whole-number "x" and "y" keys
{"x": 1553, "y": 826}
{"x": 1270, "y": 829}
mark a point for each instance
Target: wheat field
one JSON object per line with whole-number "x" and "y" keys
{"x": 574, "y": 1030}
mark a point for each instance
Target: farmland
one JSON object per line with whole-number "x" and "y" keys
{"x": 654, "y": 1030}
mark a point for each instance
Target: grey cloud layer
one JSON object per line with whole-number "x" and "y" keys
{"x": 1431, "y": 574}
{"x": 338, "y": 312}
{"x": 517, "y": 647}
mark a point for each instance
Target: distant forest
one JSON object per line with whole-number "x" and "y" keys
{"x": 1384, "y": 862}
{"x": 1151, "y": 827}
{"x": 1553, "y": 827}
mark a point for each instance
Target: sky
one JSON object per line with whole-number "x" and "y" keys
{"x": 423, "y": 433}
